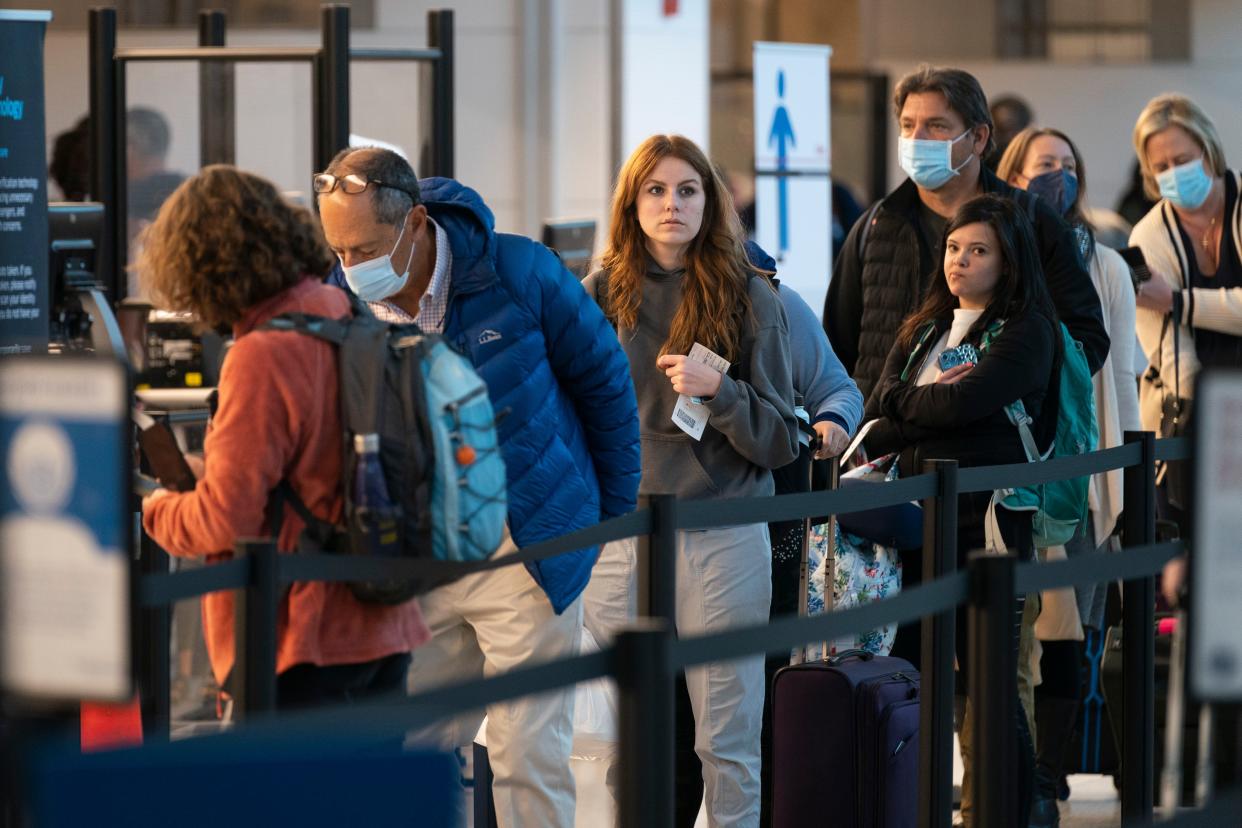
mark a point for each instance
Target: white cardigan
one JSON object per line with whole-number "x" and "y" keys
{"x": 1215, "y": 309}
{"x": 1115, "y": 386}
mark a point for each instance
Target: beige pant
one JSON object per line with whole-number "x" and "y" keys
{"x": 723, "y": 580}
{"x": 484, "y": 625}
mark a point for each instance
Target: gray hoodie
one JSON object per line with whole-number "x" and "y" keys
{"x": 752, "y": 428}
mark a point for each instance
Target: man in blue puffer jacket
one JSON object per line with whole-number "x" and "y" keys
{"x": 426, "y": 251}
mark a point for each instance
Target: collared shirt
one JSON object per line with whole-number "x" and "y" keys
{"x": 433, "y": 304}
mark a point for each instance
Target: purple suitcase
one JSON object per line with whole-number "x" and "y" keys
{"x": 846, "y": 743}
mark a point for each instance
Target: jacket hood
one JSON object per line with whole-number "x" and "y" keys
{"x": 471, "y": 230}
{"x": 759, "y": 257}
{"x": 449, "y": 194}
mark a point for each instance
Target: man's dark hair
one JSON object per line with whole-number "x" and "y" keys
{"x": 1016, "y": 107}
{"x": 961, "y": 90}
{"x": 147, "y": 130}
{"x": 70, "y": 167}
{"x": 393, "y": 202}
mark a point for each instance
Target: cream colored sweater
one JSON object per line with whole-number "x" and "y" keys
{"x": 1216, "y": 309}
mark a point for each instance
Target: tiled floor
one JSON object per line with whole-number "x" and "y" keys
{"x": 1093, "y": 801}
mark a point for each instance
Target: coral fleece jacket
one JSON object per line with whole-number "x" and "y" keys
{"x": 279, "y": 417}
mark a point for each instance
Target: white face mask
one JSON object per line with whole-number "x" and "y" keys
{"x": 375, "y": 279}
{"x": 929, "y": 163}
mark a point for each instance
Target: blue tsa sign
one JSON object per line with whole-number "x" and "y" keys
{"x": 793, "y": 202}
{"x": 65, "y": 528}
{"x": 791, "y": 108}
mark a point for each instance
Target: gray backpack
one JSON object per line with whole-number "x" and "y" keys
{"x": 422, "y": 473}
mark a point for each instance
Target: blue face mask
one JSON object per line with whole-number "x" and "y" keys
{"x": 1186, "y": 185}
{"x": 929, "y": 163}
{"x": 375, "y": 279}
{"x": 1057, "y": 187}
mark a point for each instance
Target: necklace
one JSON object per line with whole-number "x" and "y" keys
{"x": 1206, "y": 241}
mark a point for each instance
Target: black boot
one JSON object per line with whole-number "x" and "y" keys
{"x": 1055, "y": 719}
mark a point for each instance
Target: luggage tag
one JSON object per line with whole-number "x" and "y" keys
{"x": 691, "y": 416}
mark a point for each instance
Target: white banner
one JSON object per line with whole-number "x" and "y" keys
{"x": 795, "y": 227}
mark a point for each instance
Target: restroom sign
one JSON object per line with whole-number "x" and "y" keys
{"x": 792, "y": 108}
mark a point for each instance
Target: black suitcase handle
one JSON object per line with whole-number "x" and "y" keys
{"x": 861, "y": 655}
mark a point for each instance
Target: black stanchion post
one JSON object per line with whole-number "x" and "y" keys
{"x": 120, "y": 181}
{"x": 332, "y": 110}
{"x": 1138, "y": 640}
{"x": 879, "y": 119}
{"x": 938, "y": 634}
{"x": 440, "y": 36}
{"x": 657, "y": 561}
{"x": 153, "y": 636}
{"x": 993, "y": 686}
{"x": 645, "y": 685}
{"x": 217, "y": 136}
{"x": 254, "y": 635}
{"x": 103, "y": 139}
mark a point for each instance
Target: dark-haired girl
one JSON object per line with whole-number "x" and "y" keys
{"x": 989, "y": 286}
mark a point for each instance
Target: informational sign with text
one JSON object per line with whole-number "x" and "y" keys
{"x": 1216, "y": 564}
{"x": 24, "y": 289}
{"x": 65, "y": 528}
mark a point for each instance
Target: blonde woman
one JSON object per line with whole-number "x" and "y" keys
{"x": 1190, "y": 311}
{"x": 676, "y": 275}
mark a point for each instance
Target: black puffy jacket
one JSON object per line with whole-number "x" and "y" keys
{"x": 870, "y": 295}
{"x": 966, "y": 421}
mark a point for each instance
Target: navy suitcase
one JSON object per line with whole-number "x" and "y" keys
{"x": 846, "y": 743}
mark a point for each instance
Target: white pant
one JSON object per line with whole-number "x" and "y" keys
{"x": 486, "y": 624}
{"x": 724, "y": 579}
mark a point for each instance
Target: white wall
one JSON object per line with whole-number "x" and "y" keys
{"x": 274, "y": 126}
{"x": 664, "y": 73}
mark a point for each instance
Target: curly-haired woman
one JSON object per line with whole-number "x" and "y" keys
{"x": 676, "y": 275}
{"x": 229, "y": 249}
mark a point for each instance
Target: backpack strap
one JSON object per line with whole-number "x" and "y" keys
{"x": 319, "y": 532}
{"x": 918, "y": 347}
{"x": 320, "y": 327}
{"x": 1016, "y": 412}
{"x": 865, "y": 233}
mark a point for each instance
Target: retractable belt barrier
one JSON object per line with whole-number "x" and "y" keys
{"x": 645, "y": 659}
{"x": 161, "y": 589}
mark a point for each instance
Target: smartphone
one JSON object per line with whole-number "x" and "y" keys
{"x": 856, "y": 444}
{"x": 164, "y": 456}
{"x": 1139, "y": 272}
{"x": 964, "y": 354}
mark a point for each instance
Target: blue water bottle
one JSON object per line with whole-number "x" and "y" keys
{"x": 376, "y": 515}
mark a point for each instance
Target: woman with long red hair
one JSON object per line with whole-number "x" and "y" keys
{"x": 675, "y": 281}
